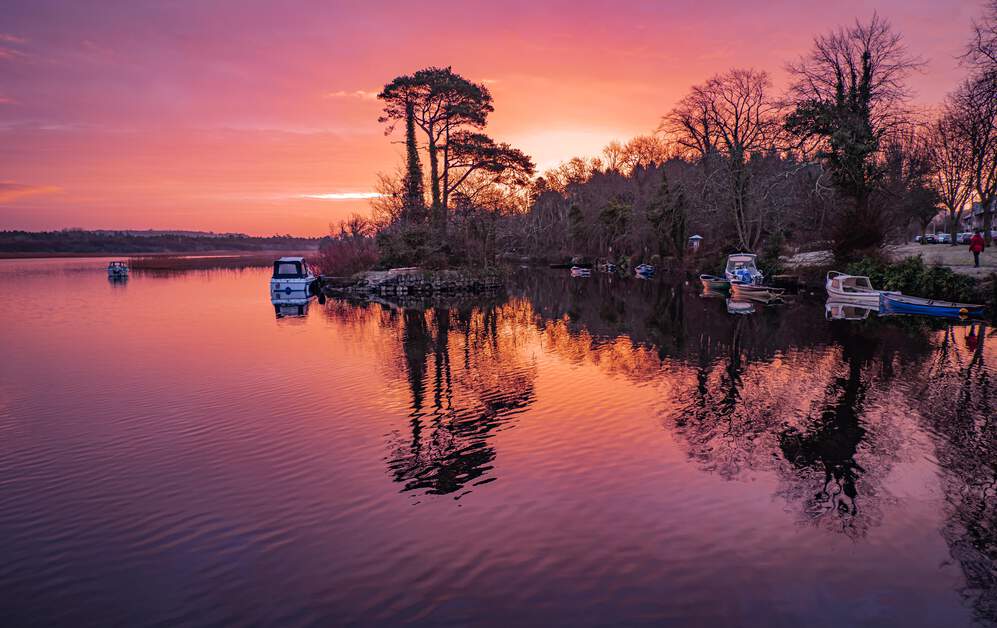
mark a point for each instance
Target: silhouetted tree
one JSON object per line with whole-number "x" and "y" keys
{"x": 951, "y": 168}
{"x": 847, "y": 92}
{"x": 723, "y": 123}
{"x": 667, "y": 217}
{"x": 974, "y": 113}
{"x": 449, "y": 110}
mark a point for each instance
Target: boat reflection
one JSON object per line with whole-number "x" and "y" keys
{"x": 844, "y": 311}
{"x": 290, "y": 307}
{"x": 740, "y": 306}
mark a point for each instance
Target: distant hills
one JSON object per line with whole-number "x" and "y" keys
{"x": 79, "y": 241}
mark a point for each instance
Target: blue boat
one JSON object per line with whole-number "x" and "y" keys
{"x": 903, "y": 304}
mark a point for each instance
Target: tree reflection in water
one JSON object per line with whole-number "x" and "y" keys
{"x": 958, "y": 408}
{"x": 824, "y": 407}
{"x": 448, "y": 446}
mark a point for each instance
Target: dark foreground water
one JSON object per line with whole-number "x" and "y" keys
{"x": 579, "y": 452}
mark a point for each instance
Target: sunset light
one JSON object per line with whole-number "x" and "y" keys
{"x": 202, "y": 115}
{"x": 498, "y": 313}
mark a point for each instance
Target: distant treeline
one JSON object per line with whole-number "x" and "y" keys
{"x": 123, "y": 242}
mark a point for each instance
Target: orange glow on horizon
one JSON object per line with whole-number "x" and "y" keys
{"x": 225, "y": 118}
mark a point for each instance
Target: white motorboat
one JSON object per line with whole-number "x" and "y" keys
{"x": 742, "y": 268}
{"x": 580, "y": 271}
{"x": 117, "y": 269}
{"x": 853, "y": 289}
{"x": 291, "y": 276}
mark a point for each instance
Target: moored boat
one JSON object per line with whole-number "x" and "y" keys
{"x": 747, "y": 290}
{"x": 117, "y": 269}
{"x": 741, "y": 267}
{"x": 291, "y": 275}
{"x": 853, "y": 289}
{"x": 712, "y": 282}
{"x": 903, "y": 304}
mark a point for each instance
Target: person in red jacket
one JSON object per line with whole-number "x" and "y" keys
{"x": 976, "y": 246}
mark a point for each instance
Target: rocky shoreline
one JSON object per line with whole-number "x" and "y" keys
{"x": 413, "y": 281}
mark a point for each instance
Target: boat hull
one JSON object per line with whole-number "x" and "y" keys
{"x": 712, "y": 282}
{"x": 898, "y": 304}
{"x": 750, "y": 289}
{"x": 294, "y": 285}
{"x": 870, "y": 299}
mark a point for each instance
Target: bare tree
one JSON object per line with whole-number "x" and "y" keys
{"x": 974, "y": 115}
{"x": 725, "y": 123}
{"x": 982, "y": 50}
{"x": 951, "y": 168}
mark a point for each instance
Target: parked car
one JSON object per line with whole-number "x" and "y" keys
{"x": 963, "y": 237}
{"x": 943, "y": 238}
{"x": 928, "y": 239}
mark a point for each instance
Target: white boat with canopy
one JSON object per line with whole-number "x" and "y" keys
{"x": 742, "y": 268}
{"x": 853, "y": 289}
{"x": 291, "y": 275}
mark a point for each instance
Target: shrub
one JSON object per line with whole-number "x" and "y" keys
{"x": 350, "y": 249}
{"x": 912, "y": 276}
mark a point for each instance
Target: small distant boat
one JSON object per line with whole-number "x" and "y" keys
{"x": 712, "y": 282}
{"x": 742, "y": 267}
{"x": 291, "y": 275}
{"x": 735, "y": 306}
{"x": 847, "y": 311}
{"x": 645, "y": 271}
{"x": 117, "y": 269}
{"x": 853, "y": 289}
{"x": 578, "y": 271}
{"x": 903, "y": 304}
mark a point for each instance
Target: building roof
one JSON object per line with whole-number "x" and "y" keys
{"x": 291, "y": 259}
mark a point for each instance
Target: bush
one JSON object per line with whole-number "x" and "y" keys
{"x": 912, "y": 276}
{"x": 350, "y": 249}
{"x": 345, "y": 256}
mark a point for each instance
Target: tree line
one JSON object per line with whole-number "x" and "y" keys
{"x": 840, "y": 160}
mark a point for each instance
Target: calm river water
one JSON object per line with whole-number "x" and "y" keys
{"x": 576, "y": 452}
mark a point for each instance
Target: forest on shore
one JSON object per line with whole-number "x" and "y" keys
{"x": 840, "y": 160}
{"x": 78, "y": 241}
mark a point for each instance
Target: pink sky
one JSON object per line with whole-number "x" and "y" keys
{"x": 226, "y": 115}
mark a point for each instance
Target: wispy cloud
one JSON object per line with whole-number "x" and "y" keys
{"x": 7, "y": 101}
{"x": 360, "y": 94}
{"x": 12, "y": 39}
{"x": 10, "y": 53}
{"x": 10, "y": 191}
{"x": 343, "y": 196}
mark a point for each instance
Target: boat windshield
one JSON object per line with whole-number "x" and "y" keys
{"x": 736, "y": 265}
{"x": 287, "y": 270}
